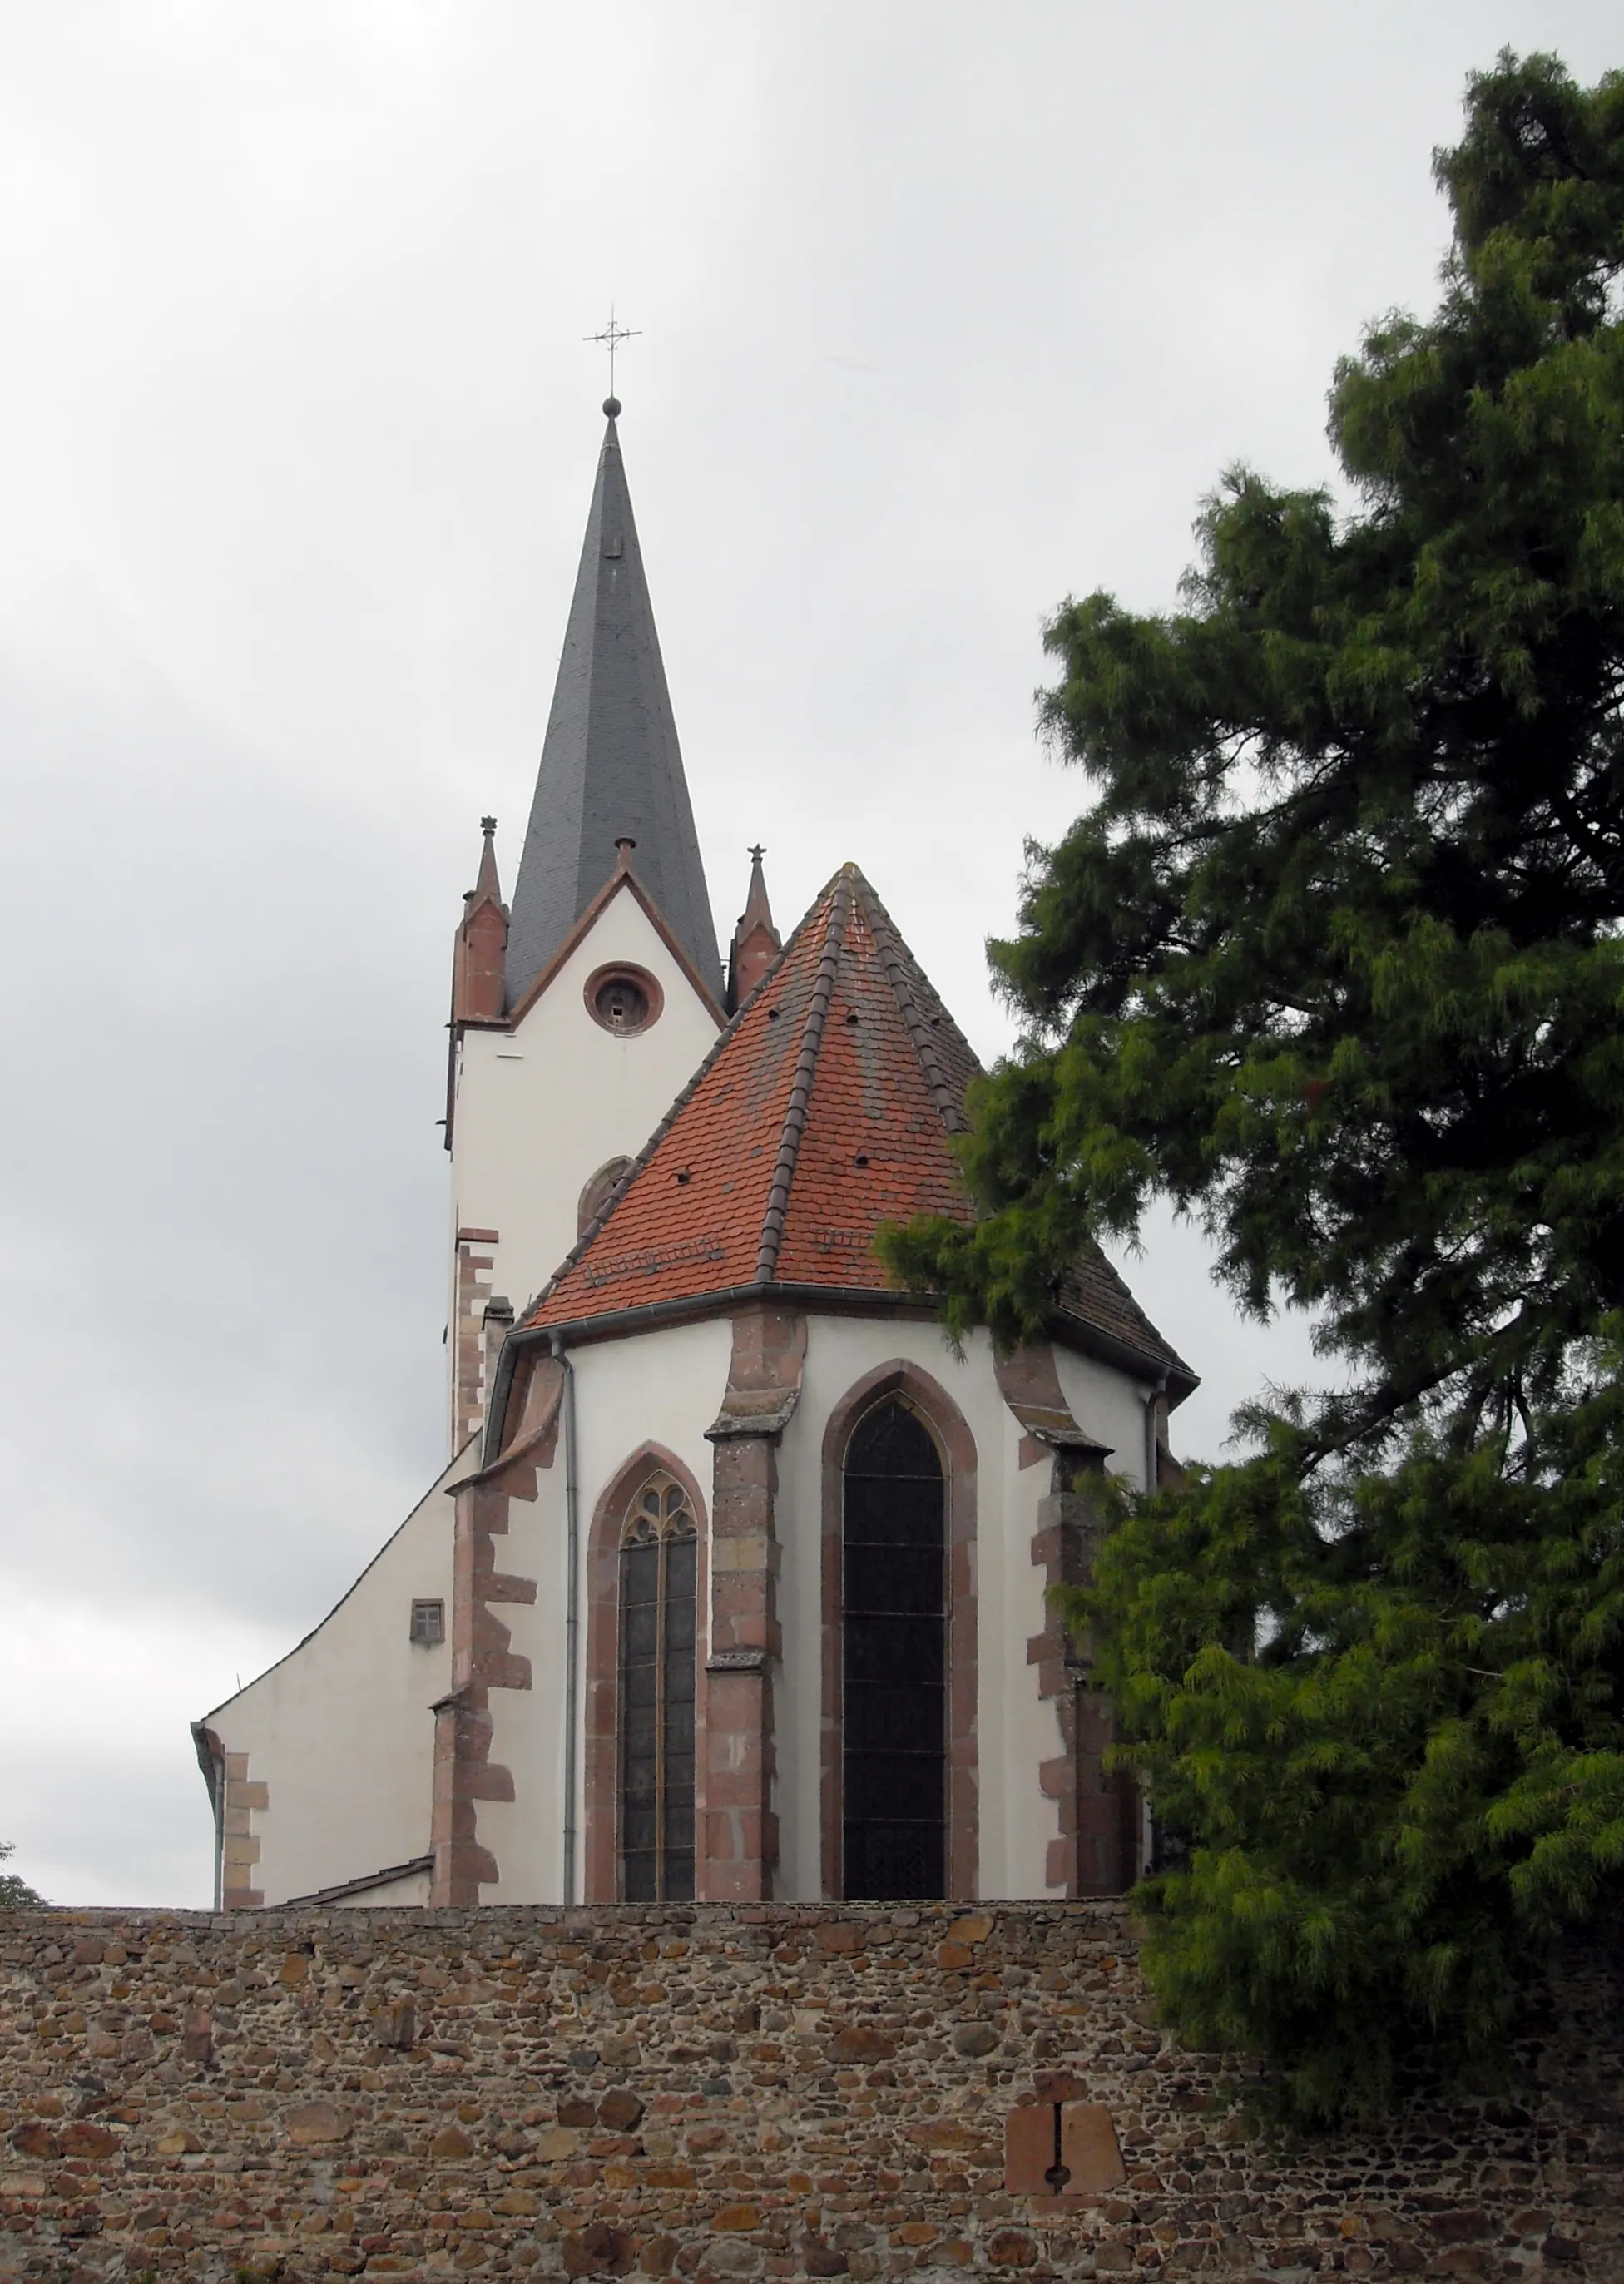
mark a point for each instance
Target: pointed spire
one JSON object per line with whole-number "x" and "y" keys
{"x": 756, "y": 943}
{"x": 481, "y": 940}
{"x": 611, "y": 768}
{"x": 757, "y": 911}
{"x": 487, "y": 886}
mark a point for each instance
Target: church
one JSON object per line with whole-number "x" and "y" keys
{"x": 734, "y": 1585}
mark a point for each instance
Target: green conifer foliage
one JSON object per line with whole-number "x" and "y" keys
{"x": 1334, "y": 961}
{"x": 15, "y": 1893}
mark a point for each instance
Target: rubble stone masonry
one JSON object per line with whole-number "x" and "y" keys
{"x": 724, "y": 2091}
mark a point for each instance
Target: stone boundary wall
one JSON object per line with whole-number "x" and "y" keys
{"x": 714, "y": 2092}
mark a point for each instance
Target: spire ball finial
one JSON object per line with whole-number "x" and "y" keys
{"x": 612, "y": 407}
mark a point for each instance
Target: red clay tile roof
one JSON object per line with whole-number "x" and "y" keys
{"x": 825, "y": 1107}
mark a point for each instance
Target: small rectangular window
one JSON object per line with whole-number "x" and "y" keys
{"x": 428, "y": 1622}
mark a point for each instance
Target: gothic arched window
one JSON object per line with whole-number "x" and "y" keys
{"x": 894, "y": 1654}
{"x": 659, "y": 1585}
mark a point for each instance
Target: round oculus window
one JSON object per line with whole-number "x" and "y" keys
{"x": 621, "y": 1005}
{"x": 623, "y": 999}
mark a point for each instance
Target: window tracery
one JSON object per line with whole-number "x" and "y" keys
{"x": 895, "y": 1657}
{"x": 659, "y": 1587}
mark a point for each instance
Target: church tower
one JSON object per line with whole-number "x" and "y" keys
{"x": 578, "y": 1012}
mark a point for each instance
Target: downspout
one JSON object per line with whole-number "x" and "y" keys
{"x": 1145, "y": 1844}
{"x": 1152, "y": 1465}
{"x": 572, "y": 1611}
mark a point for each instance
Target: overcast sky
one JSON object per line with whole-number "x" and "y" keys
{"x": 947, "y": 310}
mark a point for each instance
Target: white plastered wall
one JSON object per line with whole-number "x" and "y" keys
{"x": 1109, "y": 1407}
{"x": 539, "y": 1110}
{"x": 340, "y": 1732}
{"x": 663, "y": 1388}
{"x": 413, "y": 1891}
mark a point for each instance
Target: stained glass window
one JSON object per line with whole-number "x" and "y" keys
{"x": 895, "y": 1641}
{"x": 659, "y": 1585}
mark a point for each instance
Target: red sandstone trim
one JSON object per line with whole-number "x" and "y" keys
{"x": 741, "y": 1824}
{"x": 754, "y": 950}
{"x": 476, "y": 966}
{"x": 1029, "y": 1382}
{"x": 481, "y": 1656}
{"x": 1094, "y": 1850}
{"x": 952, "y": 1429}
{"x": 740, "y": 1748}
{"x": 1093, "y": 1853}
{"x": 601, "y": 1710}
{"x": 469, "y": 1359}
{"x": 651, "y": 987}
{"x": 481, "y": 941}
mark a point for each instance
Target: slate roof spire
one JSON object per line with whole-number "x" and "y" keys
{"x": 610, "y": 767}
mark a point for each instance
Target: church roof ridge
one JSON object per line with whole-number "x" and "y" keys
{"x": 800, "y": 1088}
{"x": 829, "y": 1103}
{"x": 611, "y": 765}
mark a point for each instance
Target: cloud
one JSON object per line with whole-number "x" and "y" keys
{"x": 302, "y": 431}
{"x": 103, "y": 1807}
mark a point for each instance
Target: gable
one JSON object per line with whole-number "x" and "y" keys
{"x": 621, "y": 922}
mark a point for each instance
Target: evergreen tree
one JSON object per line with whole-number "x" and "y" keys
{"x": 15, "y": 1893}
{"x": 1334, "y": 963}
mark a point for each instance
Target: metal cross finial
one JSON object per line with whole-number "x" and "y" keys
{"x": 756, "y": 854}
{"x": 612, "y": 336}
